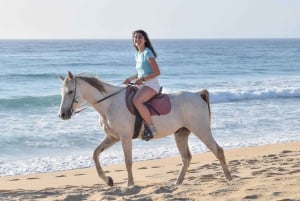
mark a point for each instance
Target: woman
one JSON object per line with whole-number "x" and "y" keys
{"x": 145, "y": 79}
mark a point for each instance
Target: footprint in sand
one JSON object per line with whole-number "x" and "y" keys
{"x": 289, "y": 159}
{"x": 165, "y": 189}
{"x": 61, "y": 176}
{"x": 296, "y": 165}
{"x": 193, "y": 171}
{"x": 142, "y": 168}
{"x": 251, "y": 197}
{"x": 172, "y": 172}
{"x": 269, "y": 172}
{"x": 252, "y": 161}
{"x": 14, "y": 180}
{"x": 80, "y": 174}
{"x": 119, "y": 170}
{"x": 208, "y": 177}
{"x": 191, "y": 178}
{"x": 294, "y": 171}
{"x": 234, "y": 162}
{"x": 286, "y": 151}
{"x": 276, "y": 193}
{"x": 209, "y": 166}
{"x": 31, "y": 178}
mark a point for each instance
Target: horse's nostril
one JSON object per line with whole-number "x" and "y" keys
{"x": 62, "y": 115}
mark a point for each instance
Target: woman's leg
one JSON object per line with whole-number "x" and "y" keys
{"x": 142, "y": 96}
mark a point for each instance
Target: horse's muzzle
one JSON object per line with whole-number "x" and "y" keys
{"x": 65, "y": 115}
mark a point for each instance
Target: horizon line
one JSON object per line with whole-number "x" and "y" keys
{"x": 154, "y": 38}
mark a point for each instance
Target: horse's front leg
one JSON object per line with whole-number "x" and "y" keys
{"x": 127, "y": 149}
{"x": 106, "y": 143}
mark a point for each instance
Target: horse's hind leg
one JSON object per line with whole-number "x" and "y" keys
{"x": 181, "y": 138}
{"x": 127, "y": 149}
{"x": 213, "y": 146}
{"x": 220, "y": 155}
{"x": 107, "y": 142}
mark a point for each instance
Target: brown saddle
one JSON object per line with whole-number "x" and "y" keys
{"x": 158, "y": 105}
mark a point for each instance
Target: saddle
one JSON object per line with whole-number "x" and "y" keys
{"x": 158, "y": 105}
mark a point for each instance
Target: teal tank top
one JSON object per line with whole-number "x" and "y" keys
{"x": 142, "y": 65}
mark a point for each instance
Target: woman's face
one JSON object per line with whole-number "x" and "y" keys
{"x": 138, "y": 40}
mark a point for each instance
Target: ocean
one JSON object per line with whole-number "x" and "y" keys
{"x": 254, "y": 87}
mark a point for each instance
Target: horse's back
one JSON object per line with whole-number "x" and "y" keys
{"x": 191, "y": 104}
{"x": 187, "y": 97}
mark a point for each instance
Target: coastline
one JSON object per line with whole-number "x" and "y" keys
{"x": 268, "y": 172}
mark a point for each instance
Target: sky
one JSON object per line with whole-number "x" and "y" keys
{"x": 166, "y": 19}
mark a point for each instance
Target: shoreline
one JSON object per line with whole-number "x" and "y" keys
{"x": 267, "y": 172}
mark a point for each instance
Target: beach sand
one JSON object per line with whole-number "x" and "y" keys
{"x": 270, "y": 172}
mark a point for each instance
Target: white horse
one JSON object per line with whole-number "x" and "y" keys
{"x": 190, "y": 113}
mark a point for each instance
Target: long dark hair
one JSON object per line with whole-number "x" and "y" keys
{"x": 147, "y": 43}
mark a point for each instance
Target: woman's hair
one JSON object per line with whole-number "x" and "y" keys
{"x": 147, "y": 41}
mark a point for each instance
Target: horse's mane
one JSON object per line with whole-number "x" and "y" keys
{"x": 93, "y": 81}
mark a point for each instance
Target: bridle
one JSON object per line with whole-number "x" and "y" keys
{"x": 75, "y": 100}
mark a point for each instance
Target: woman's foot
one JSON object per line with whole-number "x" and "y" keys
{"x": 149, "y": 132}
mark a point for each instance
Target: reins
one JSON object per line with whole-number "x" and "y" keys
{"x": 103, "y": 99}
{"x": 99, "y": 101}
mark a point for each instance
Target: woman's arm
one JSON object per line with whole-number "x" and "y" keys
{"x": 155, "y": 69}
{"x": 155, "y": 72}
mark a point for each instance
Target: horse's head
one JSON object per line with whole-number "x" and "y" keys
{"x": 70, "y": 97}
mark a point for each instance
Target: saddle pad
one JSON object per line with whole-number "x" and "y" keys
{"x": 160, "y": 103}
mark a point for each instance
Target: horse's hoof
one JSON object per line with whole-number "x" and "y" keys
{"x": 228, "y": 177}
{"x": 110, "y": 181}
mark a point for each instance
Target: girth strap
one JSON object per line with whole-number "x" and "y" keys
{"x": 137, "y": 125}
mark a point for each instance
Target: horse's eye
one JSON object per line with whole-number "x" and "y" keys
{"x": 70, "y": 92}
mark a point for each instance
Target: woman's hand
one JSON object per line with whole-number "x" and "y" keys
{"x": 139, "y": 81}
{"x": 127, "y": 81}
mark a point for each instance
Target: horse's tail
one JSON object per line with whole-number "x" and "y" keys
{"x": 205, "y": 95}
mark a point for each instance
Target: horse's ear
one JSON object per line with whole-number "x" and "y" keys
{"x": 70, "y": 75}
{"x": 61, "y": 78}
